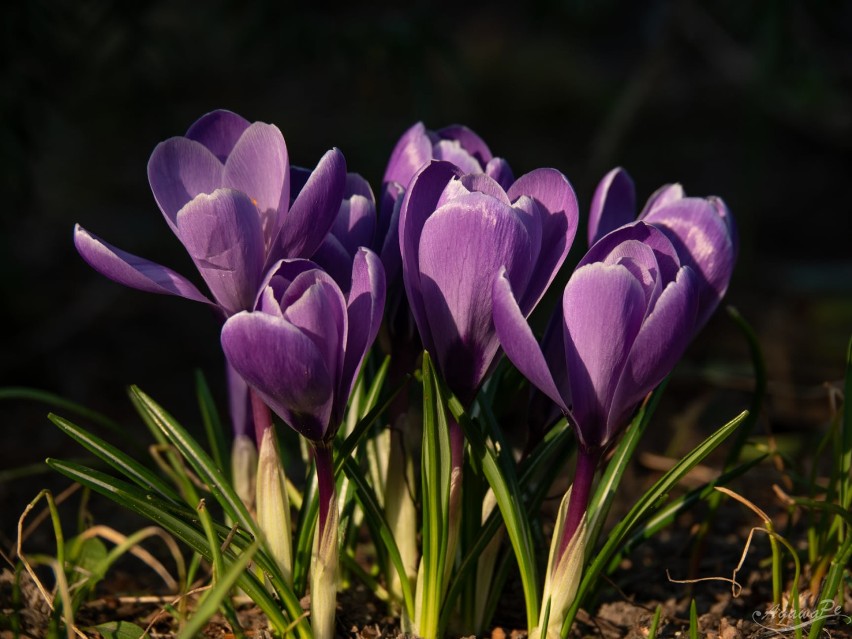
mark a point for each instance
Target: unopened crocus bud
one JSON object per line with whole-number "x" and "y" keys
{"x": 564, "y": 571}
{"x": 273, "y": 505}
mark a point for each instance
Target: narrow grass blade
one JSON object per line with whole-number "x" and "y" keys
{"x": 212, "y": 423}
{"x": 123, "y": 463}
{"x": 643, "y": 507}
{"x": 212, "y": 475}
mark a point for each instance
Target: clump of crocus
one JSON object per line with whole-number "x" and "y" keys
{"x": 301, "y": 352}
{"x": 628, "y": 313}
{"x": 225, "y": 190}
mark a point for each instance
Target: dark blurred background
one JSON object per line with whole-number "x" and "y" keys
{"x": 751, "y": 101}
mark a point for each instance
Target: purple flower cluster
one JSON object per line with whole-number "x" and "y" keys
{"x": 473, "y": 248}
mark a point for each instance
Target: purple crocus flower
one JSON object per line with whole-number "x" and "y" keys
{"x": 224, "y": 189}
{"x": 301, "y": 352}
{"x": 702, "y": 230}
{"x": 302, "y": 349}
{"x": 457, "y": 231}
{"x": 628, "y": 313}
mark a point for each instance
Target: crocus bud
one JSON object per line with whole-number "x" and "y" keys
{"x": 324, "y": 571}
{"x": 273, "y": 505}
{"x": 564, "y": 571}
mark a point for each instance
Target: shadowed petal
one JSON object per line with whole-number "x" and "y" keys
{"x": 659, "y": 345}
{"x": 412, "y": 151}
{"x": 355, "y": 224}
{"x": 335, "y": 259}
{"x": 132, "y": 271}
{"x": 259, "y": 167}
{"x": 470, "y": 142}
{"x": 313, "y": 211}
{"x": 603, "y": 307}
{"x": 462, "y": 248}
{"x": 663, "y": 196}
{"x": 281, "y": 275}
{"x": 357, "y": 185}
{"x": 518, "y": 341}
{"x": 218, "y": 131}
{"x": 452, "y": 151}
{"x": 365, "y": 307}
{"x": 222, "y": 234}
{"x": 703, "y": 241}
{"x": 666, "y": 255}
{"x": 314, "y": 304}
{"x": 284, "y": 366}
{"x": 418, "y": 204}
{"x": 613, "y": 204}
{"x": 180, "y": 169}
{"x": 500, "y": 171}
{"x": 559, "y": 221}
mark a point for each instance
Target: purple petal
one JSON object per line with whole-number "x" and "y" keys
{"x": 218, "y": 131}
{"x": 703, "y": 240}
{"x": 355, "y": 224}
{"x": 518, "y": 341}
{"x": 640, "y": 259}
{"x": 725, "y": 214}
{"x": 284, "y": 366}
{"x": 222, "y": 234}
{"x": 666, "y": 255}
{"x": 365, "y": 308}
{"x": 132, "y": 271}
{"x": 357, "y": 185}
{"x": 387, "y": 229}
{"x": 500, "y": 171}
{"x": 180, "y": 169}
{"x": 259, "y": 167}
{"x": 281, "y": 275}
{"x": 313, "y": 211}
{"x": 613, "y": 204}
{"x": 603, "y": 307}
{"x": 451, "y": 151}
{"x": 663, "y": 338}
{"x": 412, "y": 151}
{"x": 463, "y": 246}
{"x": 558, "y": 203}
{"x": 470, "y": 142}
{"x": 335, "y": 260}
{"x": 314, "y": 304}
{"x": 418, "y": 204}
{"x": 663, "y": 196}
